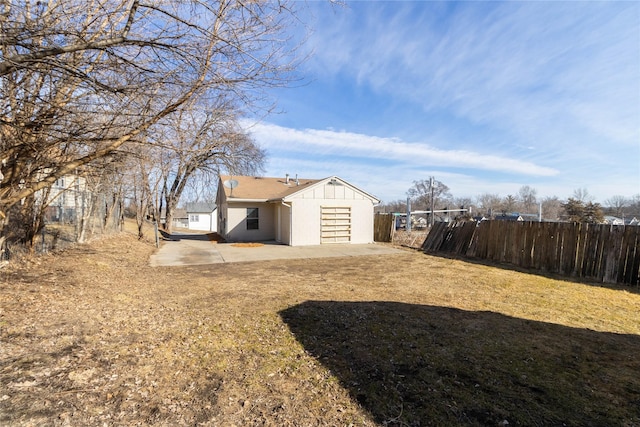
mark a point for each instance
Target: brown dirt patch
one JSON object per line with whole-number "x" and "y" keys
{"x": 247, "y": 245}
{"x": 94, "y": 336}
{"x": 215, "y": 238}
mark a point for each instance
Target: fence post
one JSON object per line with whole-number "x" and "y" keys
{"x": 155, "y": 230}
{"x": 44, "y": 246}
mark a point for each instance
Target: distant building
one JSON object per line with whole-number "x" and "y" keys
{"x": 612, "y": 220}
{"x": 180, "y": 218}
{"x": 202, "y": 216}
{"x": 68, "y": 194}
{"x": 509, "y": 217}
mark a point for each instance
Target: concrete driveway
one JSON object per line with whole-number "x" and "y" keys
{"x": 196, "y": 249}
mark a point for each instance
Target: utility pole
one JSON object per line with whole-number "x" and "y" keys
{"x": 432, "y": 207}
{"x": 408, "y": 222}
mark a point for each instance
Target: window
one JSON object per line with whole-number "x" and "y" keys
{"x": 194, "y": 218}
{"x": 252, "y": 219}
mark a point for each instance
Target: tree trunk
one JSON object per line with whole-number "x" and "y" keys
{"x": 168, "y": 219}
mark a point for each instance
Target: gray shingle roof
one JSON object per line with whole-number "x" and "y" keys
{"x": 200, "y": 207}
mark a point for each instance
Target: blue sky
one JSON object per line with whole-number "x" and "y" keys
{"x": 484, "y": 96}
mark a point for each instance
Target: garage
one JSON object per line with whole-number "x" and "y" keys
{"x": 335, "y": 224}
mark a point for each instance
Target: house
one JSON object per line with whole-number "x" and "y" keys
{"x": 68, "y": 195}
{"x": 202, "y": 216}
{"x": 180, "y": 218}
{"x": 612, "y": 220}
{"x": 294, "y": 212}
{"x": 509, "y": 217}
{"x": 631, "y": 221}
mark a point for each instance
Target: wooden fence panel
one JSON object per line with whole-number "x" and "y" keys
{"x": 604, "y": 244}
{"x": 570, "y": 239}
{"x": 611, "y": 255}
{"x": 383, "y": 227}
{"x": 589, "y": 252}
{"x": 467, "y": 232}
{"x": 495, "y": 246}
{"x": 434, "y": 239}
{"x": 634, "y": 277}
{"x": 605, "y": 253}
{"x": 630, "y": 258}
{"x": 448, "y": 237}
{"x": 581, "y": 248}
{"x": 624, "y": 254}
{"x": 542, "y": 246}
{"x": 556, "y": 244}
{"x": 509, "y": 252}
{"x": 524, "y": 255}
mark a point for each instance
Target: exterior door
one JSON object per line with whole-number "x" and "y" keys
{"x": 335, "y": 224}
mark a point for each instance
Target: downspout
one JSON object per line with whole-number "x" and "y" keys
{"x": 290, "y": 220}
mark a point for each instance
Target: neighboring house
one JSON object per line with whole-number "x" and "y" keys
{"x": 202, "y": 216}
{"x": 631, "y": 221}
{"x": 509, "y": 217}
{"x": 530, "y": 217}
{"x": 612, "y": 220}
{"x": 294, "y": 212}
{"x": 180, "y": 218}
{"x": 65, "y": 197}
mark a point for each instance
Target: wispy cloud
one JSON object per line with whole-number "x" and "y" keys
{"x": 487, "y": 94}
{"x": 348, "y": 144}
{"x": 548, "y": 72}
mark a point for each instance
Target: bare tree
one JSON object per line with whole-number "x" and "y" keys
{"x": 527, "y": 197}
{"x": 205, "y": 142}
{"x": 80, "y": 80}
{"x": 489, "y": 203}
{"x": 582, "y": 195}
{"x": 551, "y": 208}
{"x": 634, "y": 206}
{"x": 509, "y": 204}
{"x": 145, "y": 183}
{"x": 464, "y": 203}
{"x": 617, "y": 204}
{"x": 428, "y": 192}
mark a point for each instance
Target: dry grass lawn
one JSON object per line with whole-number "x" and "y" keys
{"x": 94, "y": 336}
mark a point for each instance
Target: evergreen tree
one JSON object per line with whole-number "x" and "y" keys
{"x": 574, "y": 209}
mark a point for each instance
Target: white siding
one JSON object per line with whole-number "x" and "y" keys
{"x": 67, "y": 190}
{"x": 283, "y": 224}
{"x": 203, "y": 221}
{"x": 237, "y": 224}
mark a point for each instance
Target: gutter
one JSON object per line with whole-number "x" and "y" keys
{"x": 290, "y": 221}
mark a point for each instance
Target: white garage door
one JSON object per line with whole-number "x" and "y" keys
{"x": 335, "y": 225}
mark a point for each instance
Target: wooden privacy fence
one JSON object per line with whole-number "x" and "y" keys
{"x": 383, "y": 227}
{"x": 607, "y": 253}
